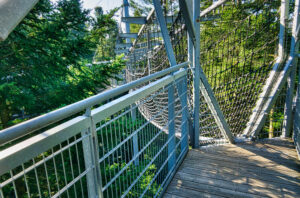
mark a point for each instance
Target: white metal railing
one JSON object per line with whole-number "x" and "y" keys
{"x": 104, "y": 152}
{"x": 37, "y": 123}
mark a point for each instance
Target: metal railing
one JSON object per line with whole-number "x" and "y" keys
{"x": 108, "y": 151}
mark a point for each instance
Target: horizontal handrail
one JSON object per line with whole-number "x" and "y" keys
{"x": 30, "y": 148}
{"x": 42, "y": 121}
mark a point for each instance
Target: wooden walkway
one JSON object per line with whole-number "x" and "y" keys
{"x": 255, "y": 169}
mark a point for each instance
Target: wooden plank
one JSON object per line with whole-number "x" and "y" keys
{"x": 254, "y": 160}
{"x": 182, "y": 191}
{"x": 263, "y": 151}
{"x": 243, "y": 170}
{"x": 167, "y": 195}
{"x": 249, "y": 180}
{"x": 289, "y": 183}
{"x": 229, "y": 162}
{"x": 232, "y": 185}
{"x": 182, "y": 186}
{"x": 232, "y": 166}
{"x": 256, "y": 156}
{"x": 259, "y": 151}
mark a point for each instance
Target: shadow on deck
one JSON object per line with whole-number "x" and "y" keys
{"x": 267, "y": 168}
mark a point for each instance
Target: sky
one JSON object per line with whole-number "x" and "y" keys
{"x": 105, "y": 4}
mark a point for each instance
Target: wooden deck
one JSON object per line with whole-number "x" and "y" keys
{"x": 255, "y": 169}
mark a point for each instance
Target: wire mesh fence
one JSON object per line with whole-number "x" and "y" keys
{"x": 238, "y": 49}
{"x": 239, "y": 44}
{"x": 113, "y": 150}
{"x": 131, "y": 145}
{"x": 55, "y": 169}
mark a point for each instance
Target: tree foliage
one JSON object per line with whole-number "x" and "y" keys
{"x": 43, "y": 62}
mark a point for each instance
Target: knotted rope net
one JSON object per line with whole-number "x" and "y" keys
{"x": 238, "y": 47}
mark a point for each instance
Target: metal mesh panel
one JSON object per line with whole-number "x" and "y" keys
{"x": 58, "y": 172}
{"x": 134, "y": 154}
{"x": 238, "y": 49}
{"x": 112, "y": 148}
{"x": 275, "y": 119}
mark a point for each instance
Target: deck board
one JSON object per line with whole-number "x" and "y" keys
{"x": 267, "y": 168}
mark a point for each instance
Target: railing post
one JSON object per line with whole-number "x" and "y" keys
{"x": 126, "y": 14}
{"x": 133, "y": 106}
{"x": 172, "y": 60}
{"x": 288, "y": 107}
{"x": 196, "y": 63}
{"x": 149, "y": 52}
{"x": 190, "y": 58}
{"x": 205, "y": 88}
{"x": 164, "y": 32}
{"x": 91, "y": 159}
{"x": 171, "y": 127}
{"x": 296, "y": 127}
{"x": 182, "y": 88}
{"x": 135, "y": 137}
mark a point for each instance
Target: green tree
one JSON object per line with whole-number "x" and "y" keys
{"x": 43, "y": 63}
{"x": 104, "y": 34}
{"x": 143, "y": 7}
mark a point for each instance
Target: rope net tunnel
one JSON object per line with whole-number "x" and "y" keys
{"x": 238, "y": 49}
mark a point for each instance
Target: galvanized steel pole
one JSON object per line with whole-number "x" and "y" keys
{"x": 288, "y": 107}
{"x": 196, "y": 64}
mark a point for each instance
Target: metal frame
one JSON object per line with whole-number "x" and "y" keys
{"x": 288, "y": 110}
{"x": 128, "y": 35}
{"x": 164, "y": 31}
{"x": 196, "y": 65}
{"x": 37, "y": 123}
{"x": 126, "y": 14}
{"x": 296, "y": 120}
{"x": 143, "y": 20}
{"x": 171, "y": 90}
{"x": 204, "y": 85}
{"x": 266, "y": 89}
{"x": 176, "y": 75}
{"x": 274, "y": 83}
{"x": 20, "y": 153}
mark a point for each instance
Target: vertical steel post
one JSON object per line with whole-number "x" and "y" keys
{"x": 164, "y": 32}
{"x": 133, "y": 111}
{"x": 135, "y": 142}
{"x": 171, "y": 127}
{"x": 203, "y": 83}
{"x": 296, "y": 127}
{"x": 196, "y": 64}
{"x": 182, "y": 88}
{"x": 172, "y": 60}
{"x": 149, "y": 52}
{"x": 284, "y": 11}
{"x": 288, "y": 107}
{"x": 190, "y": 58}
{"x": 126, "y": 14}
{"x": 91, "y": 158}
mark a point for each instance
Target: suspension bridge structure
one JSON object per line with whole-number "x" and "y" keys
{"x": 210, "y": 108}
